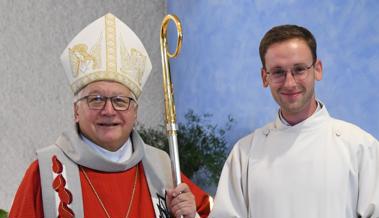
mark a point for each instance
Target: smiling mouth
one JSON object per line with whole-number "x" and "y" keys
{"x": 108, "y": 124}
{"x": 291, "y": 93}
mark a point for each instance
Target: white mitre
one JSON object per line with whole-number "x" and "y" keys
{"x": 106, "y": 49}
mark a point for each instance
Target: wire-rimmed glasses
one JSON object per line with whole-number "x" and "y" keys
{"x": 299, "y": 73}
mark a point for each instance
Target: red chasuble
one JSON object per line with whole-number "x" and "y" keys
{"x": 114, "y": 189}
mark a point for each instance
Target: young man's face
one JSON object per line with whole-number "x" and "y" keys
{"x": 296, "y": 97}
{"x": 106, "y": 127}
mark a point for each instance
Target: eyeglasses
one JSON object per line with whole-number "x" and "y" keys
{"x": 299, "y": 73}
{"x": 98, "y": 102}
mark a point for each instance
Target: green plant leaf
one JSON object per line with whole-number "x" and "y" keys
{"x": 202, "y": 146}
{"x": 3, "y": 213}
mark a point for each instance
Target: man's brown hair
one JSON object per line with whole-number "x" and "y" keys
{"x": 285, "y": 32}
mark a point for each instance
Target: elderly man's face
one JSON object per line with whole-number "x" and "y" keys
{"x": 106, "y": 127}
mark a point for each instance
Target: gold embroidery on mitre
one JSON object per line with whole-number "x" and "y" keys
{"x": 83, "y": 60}
{"x": 80, "y": 59}
{"x": 110, "y": 43}
{"x": 132, "y": 63}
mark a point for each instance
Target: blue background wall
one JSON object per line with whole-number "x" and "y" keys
{"x": 218, "y": 70}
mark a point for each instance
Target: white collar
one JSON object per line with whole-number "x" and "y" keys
{"x": 284, "y": 121}
{"x": 121, "y": 155}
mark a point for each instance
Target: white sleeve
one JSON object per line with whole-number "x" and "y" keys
{"x": 368, "y": 198}
{"x": 231, "y": 198}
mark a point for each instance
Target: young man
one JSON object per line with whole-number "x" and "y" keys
{"x": 101, "y": 167}
{"x": 305, "y": 163}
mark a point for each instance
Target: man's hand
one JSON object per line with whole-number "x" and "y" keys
{"x": 181, "y": 201}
